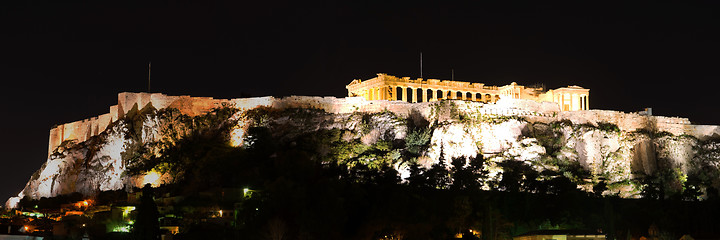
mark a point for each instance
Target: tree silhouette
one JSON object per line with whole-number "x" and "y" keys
{"x": 469, "y": 177}
{"x": 147, "y": 226}
{"x": 438, "y": 175}
{"x": 417, "y": 179}
{"x": 512, "y": 176}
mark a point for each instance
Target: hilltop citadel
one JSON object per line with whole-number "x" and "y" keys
{"x": 510, "y": 122}
{"x": 385, "y": 92}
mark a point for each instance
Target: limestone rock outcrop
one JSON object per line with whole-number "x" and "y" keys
{"x": 610, "y": 145}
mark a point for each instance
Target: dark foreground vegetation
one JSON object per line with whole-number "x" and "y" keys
{"x": 300, "y": 193}
{"x": 318, "y": 186}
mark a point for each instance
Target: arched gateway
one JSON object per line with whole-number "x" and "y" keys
{"x": 387, "y": 87}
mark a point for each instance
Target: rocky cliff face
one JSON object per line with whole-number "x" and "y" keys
{"x": 614, "y": 148}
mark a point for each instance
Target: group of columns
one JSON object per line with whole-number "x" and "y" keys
{"x": 584, "y": 102}
{"x": 391, "y": 93}
{"x": 573, "y": 102}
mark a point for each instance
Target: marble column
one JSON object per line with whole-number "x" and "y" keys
{"x": 575, "y": 102}
{"x": 587, "y": 102}
{"x": 414, "y": 95}
{"x": 393, "y": 95}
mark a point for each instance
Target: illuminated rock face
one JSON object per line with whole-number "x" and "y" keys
{"x": 83, "y": 167}
{"x": 95, "y": 154}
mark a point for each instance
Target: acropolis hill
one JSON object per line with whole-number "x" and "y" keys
{"x": 510, "y": 122}
{"x": 393, "y": 89}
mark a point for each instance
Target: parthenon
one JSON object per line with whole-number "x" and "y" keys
{"x": 387, "y": 87}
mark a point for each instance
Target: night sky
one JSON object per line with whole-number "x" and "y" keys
{"x": 62, "y": 62}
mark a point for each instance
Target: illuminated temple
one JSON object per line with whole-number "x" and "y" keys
{"x": 387, "y": 87}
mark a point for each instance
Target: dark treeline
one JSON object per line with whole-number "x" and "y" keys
{"x": 298, "y": 194}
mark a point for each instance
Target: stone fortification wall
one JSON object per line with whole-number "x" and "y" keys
{"x": 535, "y": 111}
{"x": 186, "y": 104}
{"x": 79, "y": 130}
{"x": 632, "y": 121}
{"x": 350, "y": 105}
{"x": 544, "y": 108}
{"x": 674, "y": 125}
{"x": 617, "y": 155}
{"x": 625, "y": 121}
{"x": 84, "y": 129}
{"x": 541, "y": 111}
{"x": 704, "y": 132}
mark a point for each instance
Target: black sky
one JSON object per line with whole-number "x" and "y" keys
{"x": 61, "y": 62}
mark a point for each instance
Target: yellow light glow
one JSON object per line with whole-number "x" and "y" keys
{"x": 152, "y": 177}
{"x": 86, "y": 203}
{"x": 125, "y": 228}
{"x": 127, "y": 210}
{"x": 236, "y": 137}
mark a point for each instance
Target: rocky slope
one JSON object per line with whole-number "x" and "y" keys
{"x": 624, "y": 159}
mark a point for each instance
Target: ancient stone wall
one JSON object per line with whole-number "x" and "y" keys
{"x": 535, "y": 111}
{"x": 703, "y": 132}
{"x": 84, "y": 129}
{"x": 348, "y": 105}
{"x": 631, "y": 121}
{"x": 79, "y": 130}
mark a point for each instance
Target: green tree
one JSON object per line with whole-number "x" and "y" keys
{"x": 417, "y": 141}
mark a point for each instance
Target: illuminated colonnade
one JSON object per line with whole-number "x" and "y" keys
{"x": 387, "y": 87}
{"x": 571, "y": 98}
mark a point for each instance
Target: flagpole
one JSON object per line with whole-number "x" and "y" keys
{"x": 421, "y": 73}
{"x": 149, "y": 68}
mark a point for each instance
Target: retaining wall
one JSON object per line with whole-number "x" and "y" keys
{"x": 536, "y": 111}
